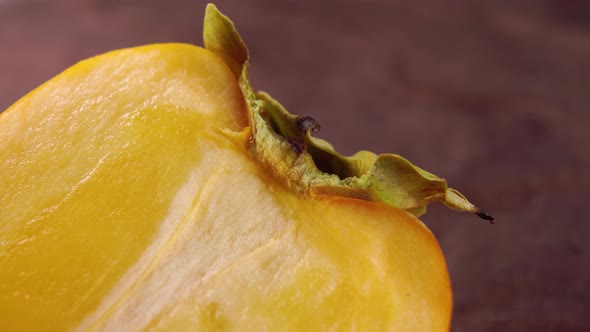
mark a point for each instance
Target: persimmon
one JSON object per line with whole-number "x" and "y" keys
{"x": 152, "y": 188}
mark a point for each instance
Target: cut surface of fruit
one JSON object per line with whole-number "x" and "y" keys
{"x": 132, "y": 199}
{"x": 91, "y": 163}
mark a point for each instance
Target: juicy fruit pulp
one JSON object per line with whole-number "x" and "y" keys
{"x": 132, "y": 199}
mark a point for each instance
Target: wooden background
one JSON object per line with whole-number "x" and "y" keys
{"x": 492, "y": 95}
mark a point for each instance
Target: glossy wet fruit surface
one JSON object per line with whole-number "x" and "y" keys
{"x": 133, "y": 208}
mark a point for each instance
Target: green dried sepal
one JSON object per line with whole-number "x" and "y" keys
{"x": 282, "y": 142}
{"x": 220, "y": 37}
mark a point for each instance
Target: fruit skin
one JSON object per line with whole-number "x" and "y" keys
{"x": 131, "y": 199}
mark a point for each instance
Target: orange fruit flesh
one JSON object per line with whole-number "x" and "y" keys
{"x": 130, "y": 201}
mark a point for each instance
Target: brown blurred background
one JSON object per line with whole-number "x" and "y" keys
{"x": 492, "y": 95}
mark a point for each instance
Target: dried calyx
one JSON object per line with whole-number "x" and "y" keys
{"x": 283, "y": 144}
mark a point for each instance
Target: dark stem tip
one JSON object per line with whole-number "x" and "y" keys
{"x": 305, "y": 123}
{"x": 483, "y": 215}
